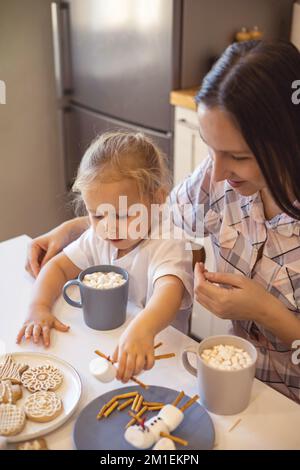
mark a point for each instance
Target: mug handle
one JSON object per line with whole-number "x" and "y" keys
{"x": 186, "y": 361}
{"x": 73, "y": 282}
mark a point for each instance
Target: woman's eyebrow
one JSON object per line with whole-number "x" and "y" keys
{"x": 235, "y": 152}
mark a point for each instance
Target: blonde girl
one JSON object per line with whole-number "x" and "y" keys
{"x": 160, "y": 270}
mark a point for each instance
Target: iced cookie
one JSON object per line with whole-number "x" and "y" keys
{"x": 9, "y": 393}
{"x": 12, "y": 420}
{"x": 40, "y": 378}
{"x": 42, "y": 406}
{"x": 11, "y": 370}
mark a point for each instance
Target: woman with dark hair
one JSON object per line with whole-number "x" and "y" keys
{"x": 250, "y": 189}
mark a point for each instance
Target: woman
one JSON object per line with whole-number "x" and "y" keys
{"x": 250, "y": 189}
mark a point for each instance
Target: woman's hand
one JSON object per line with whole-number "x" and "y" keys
{"x": 43, "y": 248}
{"x": 244, "y": 299}
{"x": 38, "y": 324}
{"x": 134, "y": 353}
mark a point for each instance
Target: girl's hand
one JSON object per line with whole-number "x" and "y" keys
{"x": 245, "y": 299}
{"x": 38, "y": 324}
{"x": 134, "y": 353}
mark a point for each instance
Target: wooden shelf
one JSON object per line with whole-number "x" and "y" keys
{"x": 184, "y": 98}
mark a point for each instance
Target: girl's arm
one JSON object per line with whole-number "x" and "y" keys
{"x": 46, "y": 289}
{"x": 135, "y": 350}
{"x": 43, "y": 248}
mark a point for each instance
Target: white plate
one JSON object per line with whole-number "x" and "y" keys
{"x": 69, "y": 392}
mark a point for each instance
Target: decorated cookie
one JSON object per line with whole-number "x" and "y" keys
{"x": 40, "y": 378}
{"x": 12, "y": 419}
{"x": 11, "y": 370}
{"x": 42, "y": 406}
{"x": 9, "y": 393}
{"x": 37, "y": 444}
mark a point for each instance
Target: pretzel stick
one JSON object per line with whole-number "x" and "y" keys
{"x": 135, "y": 417}
{"x": 125, "y": 404}
{"x": 112, "y": 362}
{"x": 153, "y": 403}
{"x": 155, "y": 408}
{"x": 126, "y": 395}
{"x": 139, "y": 404}
{"x": 141, "y": 384}
{"x": 235, "y": 424}
{"x": 101, "y": 412}
{"x": 104, "y": 407}
{"x": 111, "y": 409}
{"x": 135, "y": 402}
{"x": 158, "y": 345}
{"x": 189, "y": 403}
{"x": 138, "y": 415}
{"x": 178, "y": 399}
{"x": 174, "y": 438}
{"x": 164, "y": 356}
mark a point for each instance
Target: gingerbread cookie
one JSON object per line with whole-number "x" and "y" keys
{"x": 37, "y": 444}
{"x": 40, "y": 378}
{"x": 9, "y": 393}
{"x": 11, "y": 370}
{"x": 43, "y": 406}
{"x": 12, "y": 420}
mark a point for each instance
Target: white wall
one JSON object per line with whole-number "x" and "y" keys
{"x": 31, "y": 176}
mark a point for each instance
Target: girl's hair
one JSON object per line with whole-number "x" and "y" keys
{"x": 252, "y": 81}
{"x": 114, "y": 156}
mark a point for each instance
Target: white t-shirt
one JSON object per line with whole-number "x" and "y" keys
{"x": 147, "y": 262}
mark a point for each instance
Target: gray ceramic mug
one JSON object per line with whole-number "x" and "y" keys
{"x": 103, "y": 309}
{"x": 223, "y": 392}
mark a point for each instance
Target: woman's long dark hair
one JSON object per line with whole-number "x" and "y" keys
{"x": 252, "y": 81}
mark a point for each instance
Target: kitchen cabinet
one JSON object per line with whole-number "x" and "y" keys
{"x": 189, "y": 152}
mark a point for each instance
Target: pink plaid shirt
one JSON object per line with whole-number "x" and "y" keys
{"x": 238, "y": 229}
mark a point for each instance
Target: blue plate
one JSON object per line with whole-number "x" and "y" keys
{"x": 108, "y": 433}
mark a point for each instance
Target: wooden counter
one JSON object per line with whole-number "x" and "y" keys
{"x": 184, "y": 98}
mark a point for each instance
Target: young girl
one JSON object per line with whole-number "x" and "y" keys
{"x": 160, "y": 270}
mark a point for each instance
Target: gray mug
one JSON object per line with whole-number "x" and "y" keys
{"x": 103, "y": 309}
{"x": 223, "y": 392}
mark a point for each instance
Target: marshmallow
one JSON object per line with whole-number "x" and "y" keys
{"x": 99, "y": 280}
{"x": 102, "y": 369}
{"x": 171, "y": 416}
{"x": 226, "y": 357}
{"x": 139, "y": 437}
{"x": 156, "y": 426}
{"x": 164, "y": 444}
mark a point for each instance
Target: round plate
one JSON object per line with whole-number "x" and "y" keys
{"x": 69, "y": 392}
{"x": 108, "y": 433}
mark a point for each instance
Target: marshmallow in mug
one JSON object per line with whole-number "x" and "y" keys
{"x": 226, "y": 357}
{"x": 99, "y": 280}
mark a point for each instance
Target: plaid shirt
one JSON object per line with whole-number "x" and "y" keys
{"x": 267, "y": 251}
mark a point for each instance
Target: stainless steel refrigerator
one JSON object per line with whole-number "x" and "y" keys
{"x": 116, "y": 63}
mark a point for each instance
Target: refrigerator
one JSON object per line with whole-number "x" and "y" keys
{"x": 116, "y": 62}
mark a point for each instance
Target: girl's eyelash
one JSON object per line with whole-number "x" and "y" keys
{"x": 98, "y": 217}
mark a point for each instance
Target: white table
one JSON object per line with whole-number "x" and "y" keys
{"x": 271, "y": 421}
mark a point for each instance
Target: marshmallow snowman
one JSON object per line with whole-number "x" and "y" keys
{"x": 143, "y": 437}
{"x": 102, "y": 369}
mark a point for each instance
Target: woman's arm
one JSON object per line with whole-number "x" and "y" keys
{"x": 245, "y": 300}
{"x": 43, "y": 248}
{"x": 135, "y": 350}
{"x": 46, "y": 289}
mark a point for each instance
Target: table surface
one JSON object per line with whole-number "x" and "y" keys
{"x": 271, "y": 420}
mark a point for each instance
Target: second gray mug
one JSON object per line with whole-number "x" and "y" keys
{"x": 103, "y": 309}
